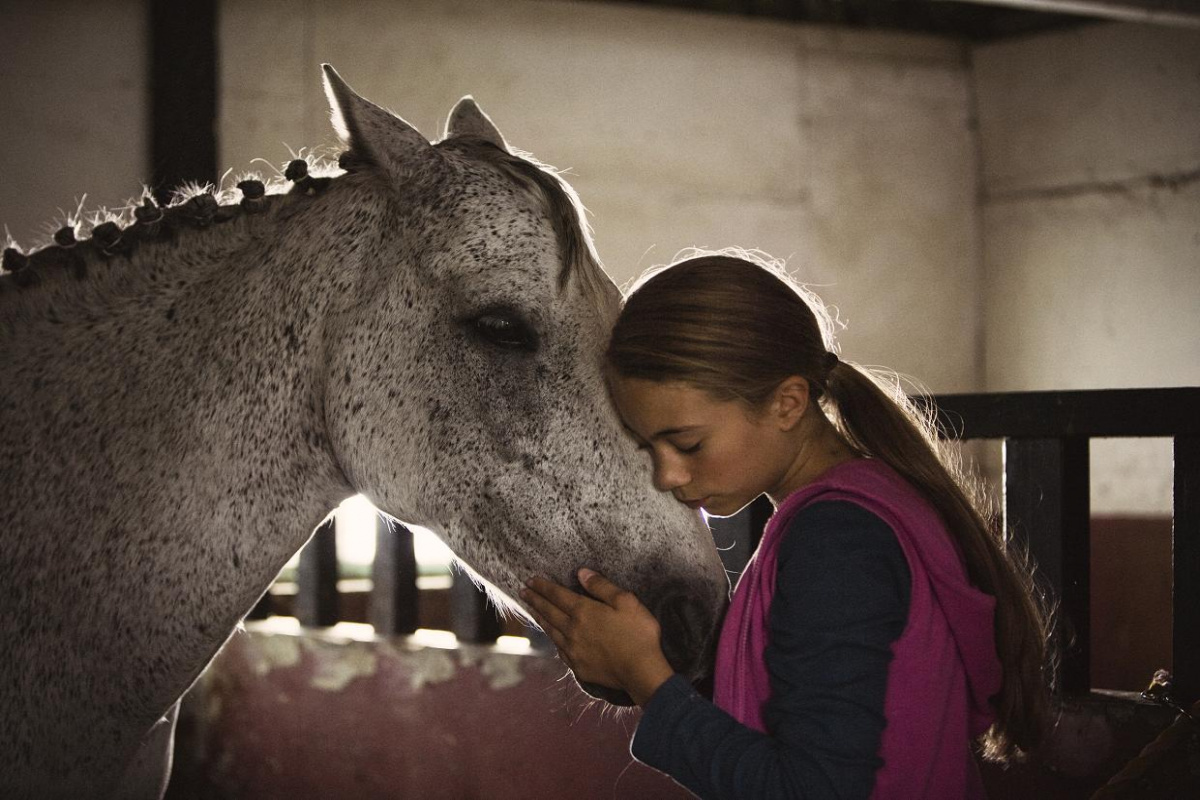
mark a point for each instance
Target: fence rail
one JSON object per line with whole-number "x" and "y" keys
{"x": 1046, "y": 438}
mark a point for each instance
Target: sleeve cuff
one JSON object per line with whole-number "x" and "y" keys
{"x": 660, "y": 717}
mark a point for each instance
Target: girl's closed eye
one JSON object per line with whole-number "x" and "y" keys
{"x": 695, "y": 448}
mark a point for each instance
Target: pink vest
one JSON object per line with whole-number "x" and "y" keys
{"x": 944, "y": 667}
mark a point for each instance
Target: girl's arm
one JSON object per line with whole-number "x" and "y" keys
{"x": 841, "y": 599}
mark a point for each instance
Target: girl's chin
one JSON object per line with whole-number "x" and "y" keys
{"x": 715, "y": 508}
{"x": 722, "y": 507}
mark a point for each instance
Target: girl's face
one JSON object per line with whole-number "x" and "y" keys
{"x": 711, "y": 454}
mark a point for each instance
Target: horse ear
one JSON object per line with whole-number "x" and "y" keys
{"x": 468, "y": 118}
{"x": 372, "y": 133}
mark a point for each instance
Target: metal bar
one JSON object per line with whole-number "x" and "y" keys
{"x": 317, "y": 594}
{"x": 472, "y": 617}
{"x": 183, "y": 93}
{"x": 395, "y": 601}
{"x": 1186, "y": 571}
{"x": 1102, "y": 413}
{"x": 1046, "y": 506}
{"x": 1178, "y": 13}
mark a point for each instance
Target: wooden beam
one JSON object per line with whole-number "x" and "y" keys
{"x": 183, "y": 93}
{"x": 317, "y": 592}
{"x": 1102, "y": 413}
{"x": 395, "y": 601}
{"x": 1047, "y": 509}
{"x": 1176, "y": 13}
{"x": 1186, "y": 570}
{"x": 472, "y": 616}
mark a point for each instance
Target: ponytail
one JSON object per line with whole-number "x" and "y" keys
{"x": 877, "y": 419}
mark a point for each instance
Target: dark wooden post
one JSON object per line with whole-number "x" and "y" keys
{"x": 472, "y": 618}
{"x": 1185, "y": 601}
{"x": 317, "y": 595}
{"x": 263, "y": 608}
{"x": 394, "y": 597}
{"x": 183, "y": 93}
{"x": 1046, "y": 507}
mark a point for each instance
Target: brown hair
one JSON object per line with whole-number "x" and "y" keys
{"x": 736, "y": 327}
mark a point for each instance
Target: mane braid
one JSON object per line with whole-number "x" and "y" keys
{"x": 195, "y": 208}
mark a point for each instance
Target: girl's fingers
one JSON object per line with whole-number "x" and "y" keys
{"x": 554, "y": 634}
{"x": 550, "y": 616}
{"x": 600, "y": 587}
{"x": 560, "y": 596}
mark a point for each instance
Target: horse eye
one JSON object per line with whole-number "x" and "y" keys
{"x": 505, "y": 330}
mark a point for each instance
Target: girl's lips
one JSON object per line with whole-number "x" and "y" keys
{"x": 695, "y": 504}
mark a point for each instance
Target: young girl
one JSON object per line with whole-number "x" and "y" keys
{"x": 881, "y": 627}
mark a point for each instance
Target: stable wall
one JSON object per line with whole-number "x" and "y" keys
{"x": 1090, "y": 161}
{"x": 850, "y": 154}
{"x": 72, "y": 111}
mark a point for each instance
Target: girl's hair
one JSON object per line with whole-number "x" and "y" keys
{"x": 736, "y": 327}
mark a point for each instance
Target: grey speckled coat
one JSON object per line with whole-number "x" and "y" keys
{"x": 182, "y": 402}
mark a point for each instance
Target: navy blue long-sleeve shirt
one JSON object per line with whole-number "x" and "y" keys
{"x": 841, "y": 599}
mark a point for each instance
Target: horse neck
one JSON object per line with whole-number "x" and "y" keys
{"x": 213, "y": 341}
{"x": 220, "y": 261}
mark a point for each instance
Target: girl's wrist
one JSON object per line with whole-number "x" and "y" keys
{"x": 648, "y": 679}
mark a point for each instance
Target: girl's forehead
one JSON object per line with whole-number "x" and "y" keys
{"x": 647, "y": 392}
{"x": 651, "y": 406}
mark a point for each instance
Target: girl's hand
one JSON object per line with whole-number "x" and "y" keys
{"x": 612, "y": 640}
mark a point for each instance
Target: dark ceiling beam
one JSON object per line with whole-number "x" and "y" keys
{"x": 1177, "y": 13}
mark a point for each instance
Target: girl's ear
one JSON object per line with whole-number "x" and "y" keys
{"x": 791, "y": 401}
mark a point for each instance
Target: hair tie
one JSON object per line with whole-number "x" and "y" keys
{"x": 831, "y": 361}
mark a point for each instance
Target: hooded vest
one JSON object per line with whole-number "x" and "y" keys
{"x": 944, "y": 666}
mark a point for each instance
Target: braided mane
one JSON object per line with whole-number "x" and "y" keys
{"x": 198, "y": 207}
{"x": 193, "y": 208}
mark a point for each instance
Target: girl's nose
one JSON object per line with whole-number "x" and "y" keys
{"x": 669, "y": 474}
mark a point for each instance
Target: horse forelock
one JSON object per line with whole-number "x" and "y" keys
{"x": 567, "y": 215}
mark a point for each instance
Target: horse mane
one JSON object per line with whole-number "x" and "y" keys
{"x": 194, "y": 209}
{"x": 197, "y": 208}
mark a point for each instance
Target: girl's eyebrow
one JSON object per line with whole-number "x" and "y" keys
{"x": 663, "y": 433}
{"x": 672, "y": 431}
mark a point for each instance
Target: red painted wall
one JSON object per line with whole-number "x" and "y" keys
{"x": 295, "y": 717}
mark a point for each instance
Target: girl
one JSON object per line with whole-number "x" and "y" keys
{"x": 881, "y": 626}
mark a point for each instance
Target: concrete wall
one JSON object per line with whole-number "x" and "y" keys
{"x": 72, "y": 110}
{"x": 849, "y": 154}
{"x": 1090, "y": 163}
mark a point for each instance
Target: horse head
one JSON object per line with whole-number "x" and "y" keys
{"x": 465, "y": 389}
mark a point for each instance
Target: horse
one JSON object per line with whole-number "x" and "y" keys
{"x": 187, "y": 394}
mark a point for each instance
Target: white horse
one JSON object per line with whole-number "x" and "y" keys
{"x": 185, "y": 399}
